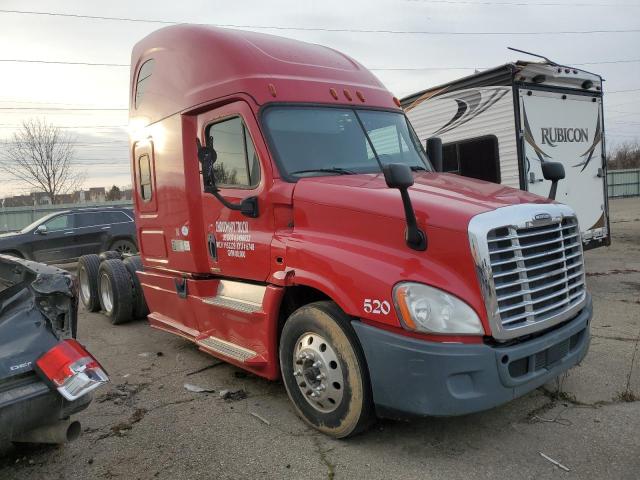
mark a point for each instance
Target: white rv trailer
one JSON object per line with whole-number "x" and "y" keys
{"x": 501, "y": 124}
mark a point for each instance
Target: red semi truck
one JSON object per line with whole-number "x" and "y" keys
{"x": 290, "y": 223}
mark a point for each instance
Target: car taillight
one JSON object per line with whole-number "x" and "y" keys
{"x": 72, "y": 370}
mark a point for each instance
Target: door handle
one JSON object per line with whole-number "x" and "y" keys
{"x": 106, "y": 228}
{"x": 69, "y": 233}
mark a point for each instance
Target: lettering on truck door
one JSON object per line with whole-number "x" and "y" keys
{"x": 566, "y": 130}
{"x": 238, "y": 246}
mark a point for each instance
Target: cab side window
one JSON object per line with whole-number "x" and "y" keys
{"x": 144, "y": 74}
{"x": 237, "y": 163}
{"x": 144, "y": 177}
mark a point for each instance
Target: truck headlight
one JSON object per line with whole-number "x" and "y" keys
{"x": 422, "y": 308}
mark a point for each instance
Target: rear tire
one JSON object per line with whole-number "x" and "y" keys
{"x": 109, "y": 255}
{"x": 124, "y": 247}
{"x": 133, "y": 265}
{"x": 324, "y": 370}
{"x": 88, "y": 266}
{"x": 116, "y": 291}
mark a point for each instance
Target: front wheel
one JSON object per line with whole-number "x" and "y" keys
{"x": 324, "y": 370}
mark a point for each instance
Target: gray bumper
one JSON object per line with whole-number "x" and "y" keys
{"x": 410, "y": 376}
{"x": 30, "y": 403}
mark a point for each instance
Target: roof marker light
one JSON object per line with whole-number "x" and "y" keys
{"x": 360, "y": 95}
{"x": 333, "y": 93}
{"x": 396, "y": 101}
{"x": 347, "y": 94}
{"x": 272, "y": 89}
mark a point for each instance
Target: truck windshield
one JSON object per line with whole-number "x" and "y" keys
{"x": 314, "y": 141}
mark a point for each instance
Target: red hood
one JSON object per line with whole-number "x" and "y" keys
{"x": 439, "y": 199}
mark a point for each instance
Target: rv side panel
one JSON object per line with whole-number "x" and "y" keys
{"x": 462, "y": 117}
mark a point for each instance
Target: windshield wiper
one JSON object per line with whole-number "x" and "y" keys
{"x": 336, "y": 170}
{"x": 418, "y": 168}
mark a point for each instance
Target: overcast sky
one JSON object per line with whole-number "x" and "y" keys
{"x": 102, "y": 147}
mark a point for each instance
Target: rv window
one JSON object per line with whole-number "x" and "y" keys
{"x": 237, "y": 163}
{"x": 144, "y": 74}
{"x": 144, "y": 177}
{"x": 450, "y": 158}
{"x": 475, "y": 158}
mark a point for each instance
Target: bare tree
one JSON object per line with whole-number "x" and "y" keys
{"x": 625, "y": 155}
{"x": 41, "y": 157}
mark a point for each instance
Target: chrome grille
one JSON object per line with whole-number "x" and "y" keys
{"x": 531, "y": 271}
{"x": 537, "y": 271}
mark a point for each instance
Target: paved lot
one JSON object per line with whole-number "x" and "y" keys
{"x": 145, "y": 424}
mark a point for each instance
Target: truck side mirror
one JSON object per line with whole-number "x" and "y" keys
{"x": 553, "y": 171}
{"x": 207, "y": 157}
{"x": 398, "y": 175}
{"x": 434, "y": 152}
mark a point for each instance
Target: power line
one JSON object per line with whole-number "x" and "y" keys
{"x": 484, "y": 68}
{"x": 12, "y": 60}
{"x": 319, "y": 29}
{"x": 527, "y": 4}
{"x": 62, "y": 108}
{"x": 7, "y": 125}
{"x": 91, "y": 64}
{"x": 624, "y": 91}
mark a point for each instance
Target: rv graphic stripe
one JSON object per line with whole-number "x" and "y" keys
{"x": 471, "y": 104}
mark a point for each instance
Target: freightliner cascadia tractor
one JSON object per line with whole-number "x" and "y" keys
{"x": 290, "y": 223}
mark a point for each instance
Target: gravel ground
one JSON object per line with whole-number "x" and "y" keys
{"x": 145, "y": 424}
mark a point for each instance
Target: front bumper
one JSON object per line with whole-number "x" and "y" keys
{"x": 414, "y": 377}
{"x": 27, "y": 403}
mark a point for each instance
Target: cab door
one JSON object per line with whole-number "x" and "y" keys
{"x": 238, "y": 246}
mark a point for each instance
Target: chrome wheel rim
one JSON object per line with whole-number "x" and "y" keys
{"x": 318, "y": 373}
{"x": 85, "y": 291}
{"x": 106, "y": 294}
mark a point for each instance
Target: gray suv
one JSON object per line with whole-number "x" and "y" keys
{"x": 64, "y": 236}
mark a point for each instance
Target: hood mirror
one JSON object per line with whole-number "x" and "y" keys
{"x": 434, "y": 152}
{"x": 553, "y": 171}
{"x": 398, "y": 175}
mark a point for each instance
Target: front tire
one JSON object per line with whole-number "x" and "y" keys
{"x": 324, "y": 370}
{"x": 116, "y": 291}
{"x": 110, "y": 255}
